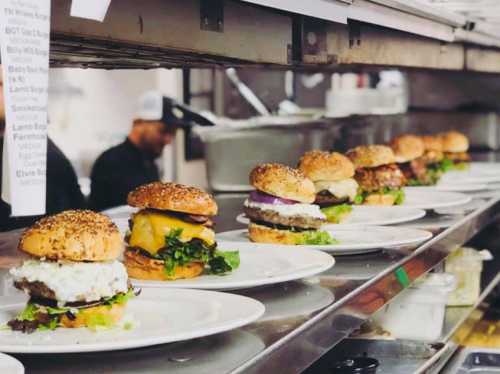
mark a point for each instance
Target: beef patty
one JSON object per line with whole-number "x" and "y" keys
{"x": 375, "y": 179}
{"x": 325, "y": 198}
{"x": 305, "y": 222}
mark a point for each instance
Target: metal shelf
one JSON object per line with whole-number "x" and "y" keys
{"x": 304, "y": 319}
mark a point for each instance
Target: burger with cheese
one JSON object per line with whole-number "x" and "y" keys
{"x": 455, "y": 147}
{"x": 408, "y": 151}
{"x": 281, "y": 210}
{"x": 379, "y": 177}
{"x": 73, "y": 278}
{"x": 332, "y": 175}
{"x": 171, "y": 236}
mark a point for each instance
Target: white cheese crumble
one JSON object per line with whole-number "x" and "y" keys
{"x": 75, "y": 281}
{"x": 340, "y": 189}
{"x": 289, "y": 210}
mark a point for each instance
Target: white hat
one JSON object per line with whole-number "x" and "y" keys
{"x": 150, "y": 106}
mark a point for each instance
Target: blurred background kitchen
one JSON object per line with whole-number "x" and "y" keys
{"x": 267, "y": 115}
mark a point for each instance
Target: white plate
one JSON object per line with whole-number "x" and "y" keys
{"x": 295, "y": 299}
{"x": 485, "y": 167}
{"x": 469, "y": 176}
{"x": 121, "y": 211}
{"x": 160, "y": 317}
{"x": 351, "y": 240}
{"x": 368, "y": 216}
{"x": 461, "y": 187}
{"x": 258, "y": 267}
{"x": 10, "y": 365}
{"x": 430, "y": 198}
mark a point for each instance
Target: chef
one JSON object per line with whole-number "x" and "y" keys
{"x": 131, "y": 163}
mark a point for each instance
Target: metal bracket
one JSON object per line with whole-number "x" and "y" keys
{"x": 212, "y": 15}
{"x": 354, "y": 34}
{"x": 314, "y": 42}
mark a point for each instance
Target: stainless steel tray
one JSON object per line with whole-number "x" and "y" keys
{"x": 301, "y": 328}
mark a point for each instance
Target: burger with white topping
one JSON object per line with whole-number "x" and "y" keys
{"x": 332, "y": 175}
{"x": 73, "y": 277}
{"x": 281, "y": 210}
{"x": 379, "y": 177}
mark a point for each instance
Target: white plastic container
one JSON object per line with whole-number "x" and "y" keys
{"x": 466, "y": 265}
{"x": 418, "y": 312}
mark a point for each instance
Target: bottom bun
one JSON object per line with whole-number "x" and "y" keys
{"x": 142, "y": 267}
{"x": 112, "y": 313}
{"x": 263, "y": 234}
{"x": 379, "y": 199}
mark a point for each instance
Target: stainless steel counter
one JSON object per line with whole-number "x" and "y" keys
{"x": 304, "y": 319}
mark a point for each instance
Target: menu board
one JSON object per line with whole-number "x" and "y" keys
{"x": 24, "y": 46}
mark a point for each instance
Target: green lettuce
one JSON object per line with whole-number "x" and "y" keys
{"x": 399, "y": 195}
{"x": 179, "y": 253}
{"x": 315, "y": 238}
{"x": 337, "y": 213}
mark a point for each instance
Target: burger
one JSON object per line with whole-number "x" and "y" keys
{"x": 455, "y": 147}
{"x": 433, "y": 157}
{"x": 332, "y": 175}
{"x": 408, "y": 151}
{"x": 281, "y": 210}
{"x": 379, "y": 178}
{"x": 171, "y": 236}
{"x": 72, "y": 278}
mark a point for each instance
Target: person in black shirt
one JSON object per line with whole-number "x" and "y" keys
{"x": 62, "y": 193}
{"x": 130, "y": 164}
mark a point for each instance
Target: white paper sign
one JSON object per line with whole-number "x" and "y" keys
{"x": 24, "y": 45}
{"x": 90, "y": 9}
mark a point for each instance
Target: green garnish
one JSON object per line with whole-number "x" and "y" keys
{"x": 399, "y": 195}
{"x": 54, "y": 314}
{"x": 179, "y": 253}
{"x": 99, "y": 322}
{"x": 335, "y": 214}
{"x": 315, "y": 238}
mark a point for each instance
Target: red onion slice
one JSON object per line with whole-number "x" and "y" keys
{"x": 264, "y": 198}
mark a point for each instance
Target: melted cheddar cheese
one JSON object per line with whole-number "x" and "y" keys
{"x": 149, "y": 230}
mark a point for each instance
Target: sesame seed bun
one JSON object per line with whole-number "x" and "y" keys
{"x": 262, "y": 234}
{"x": 454, "y": 141}
{"x": 407, "y": 148}
{"x": 174, "y": 197}
{"x": 73, "y": 235}
{"x": 142, "y": 267}
{"x": 371, "y": 156}
{"x": 282, "y": 181}
{"x": 326, "y": 166}
{"x": 432, "y": 143}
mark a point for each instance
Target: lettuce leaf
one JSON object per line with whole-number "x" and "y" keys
{"x": 178, "y": 253}
{"x": 224, "y": 262}
{"x": 399, "y": 195}
{"x": 315, "y": 238}
{"x": 336, "y": 213}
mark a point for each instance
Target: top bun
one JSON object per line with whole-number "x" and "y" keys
{"x": 326, "y": 166}
{"x": 454, "y": 141}
{"x": 174, "y": 197}
{"x": 282, "y": 181}
{"x": 370, "y": 156}
{"x": 432, "y": 143}
{"x": 407, "y": 147}
{"x": 73, "y": 235}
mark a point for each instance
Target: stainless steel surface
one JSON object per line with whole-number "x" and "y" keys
{"x": 394, "y": 356}
{"x": 304, "y": 319}
{"x": 475, "y": 360}
{"x": 231, "y": 154}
